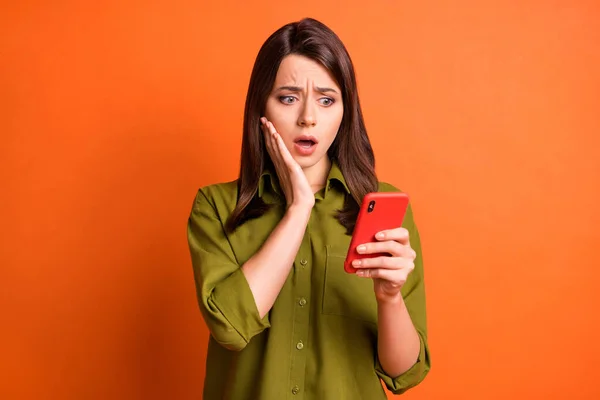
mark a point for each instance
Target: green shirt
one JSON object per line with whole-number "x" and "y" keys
{"x": 319, "y": 340}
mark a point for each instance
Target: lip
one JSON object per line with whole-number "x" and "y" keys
{"x": 306, "y": 137}
{"x": 305, "y": 151}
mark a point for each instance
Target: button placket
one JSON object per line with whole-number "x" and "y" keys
{"x": 301, "y": 315}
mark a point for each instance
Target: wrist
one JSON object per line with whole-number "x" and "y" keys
{"x": 299, "y": 210}
{"x": 395, "y": 300}
{"x": 304, "y": 207}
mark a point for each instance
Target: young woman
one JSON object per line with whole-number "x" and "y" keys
{"x": 286, "y": 320}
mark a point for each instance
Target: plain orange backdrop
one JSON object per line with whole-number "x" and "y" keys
{"x": 113, "y": 114}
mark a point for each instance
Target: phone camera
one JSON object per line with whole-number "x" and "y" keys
{"x": 371, "y": 206}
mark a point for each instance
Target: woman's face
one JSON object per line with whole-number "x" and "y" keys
{"x": 305, "y": 106}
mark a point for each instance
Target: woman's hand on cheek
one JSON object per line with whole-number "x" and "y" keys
{"x": 292, "y": 180}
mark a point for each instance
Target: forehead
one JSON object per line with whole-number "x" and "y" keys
{"x": 297, "y": 69}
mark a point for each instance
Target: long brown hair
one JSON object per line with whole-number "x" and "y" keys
{"x": 351, "y": 148}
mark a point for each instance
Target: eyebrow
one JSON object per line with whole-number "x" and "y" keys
{"x": 299, "y": 89}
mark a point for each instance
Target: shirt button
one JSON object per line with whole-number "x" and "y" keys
{"x": 303, "y": 262}
{"x": 300, "y": 345}
{"x": 302, "y": 302}
{"x": 295, "y": 390}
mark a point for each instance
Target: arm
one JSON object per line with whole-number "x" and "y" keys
{"x": 398, "y": 341}
{"x": 402, "y": 353}
{"x": 225, "y": 299}
{"x": 268, "y": 269}
{"x": 235, "y": 300}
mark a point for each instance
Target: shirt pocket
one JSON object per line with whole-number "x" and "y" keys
{"x": 345, "y": 294}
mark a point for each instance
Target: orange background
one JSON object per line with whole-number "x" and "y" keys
{"x": 112, "y": 114}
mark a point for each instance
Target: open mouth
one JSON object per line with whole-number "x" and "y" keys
{"x": 306, "y": 143}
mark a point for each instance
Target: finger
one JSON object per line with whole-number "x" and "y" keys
{"x": 395, "y": 276}
{"x": 384, "y": 262}
{"x": 274, "y": 150}
{"x": 285, "y": 154}
{"x": 278, "y": 148}
{"x": 265, "y": 131}
{"x": 271, "y": 133}
{"x": 393, "y": 248}
{"x": 390, "y": 247}
{"x": 274, "y": 145}
{"x": 271, "y": 128}
{"x": 283, "y": 151}
{"x": 271, "y": 143}
{"x": 399, "y": 234}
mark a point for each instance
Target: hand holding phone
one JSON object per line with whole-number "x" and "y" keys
{"x": 379, "y": 211}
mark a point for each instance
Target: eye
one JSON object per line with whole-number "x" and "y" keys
{"x": 287, "y": 99}
{"x": 326, "y": 101}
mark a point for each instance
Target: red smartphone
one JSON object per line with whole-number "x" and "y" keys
{"x": 379, "y": 211}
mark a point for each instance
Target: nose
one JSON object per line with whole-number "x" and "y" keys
{"x": 307, "y": 117}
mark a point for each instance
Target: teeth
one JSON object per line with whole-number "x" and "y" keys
{"x": 306, "y": 143}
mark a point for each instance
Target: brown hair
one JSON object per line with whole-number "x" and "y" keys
{"x": 351, "y": 148}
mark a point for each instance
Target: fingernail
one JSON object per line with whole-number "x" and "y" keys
{"x": 356, "y": 263}
{"x": 360, "y": 273}
{"x": 361, "y": 248}
{"x": 380, "y": 235}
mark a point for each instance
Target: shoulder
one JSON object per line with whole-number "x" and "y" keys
{"x": 387, "y": 187}
{"x": 219, "y": 196}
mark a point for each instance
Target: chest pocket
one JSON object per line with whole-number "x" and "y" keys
{"x": 345, "y": 294}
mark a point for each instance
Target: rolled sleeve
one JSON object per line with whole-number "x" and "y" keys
{"x": 234, "y": 300}
{"x": 224, "y": 296}
{"x": 413, "y": 292}
{"x": 412, "y": 377}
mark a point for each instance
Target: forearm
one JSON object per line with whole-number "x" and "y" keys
{"x": 398, "y": 341}
{"x": 268, "y": 269}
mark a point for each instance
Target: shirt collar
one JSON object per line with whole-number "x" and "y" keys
{"x": 268, "y": 181}
{"x": 336, "y": 176}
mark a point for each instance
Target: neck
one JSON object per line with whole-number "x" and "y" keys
{"x": 317, "y": 174}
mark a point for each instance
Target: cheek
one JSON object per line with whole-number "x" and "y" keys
{"x": 269, "y": 109}
{"x": 334, "y": 125}
{"x": 282, "y": 117}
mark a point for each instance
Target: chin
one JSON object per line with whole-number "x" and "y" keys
{"x": 304, "y": 163}
{"x": 308, "y": 162}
